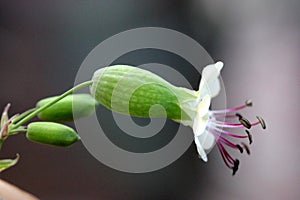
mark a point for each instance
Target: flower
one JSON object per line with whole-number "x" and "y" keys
{"x": 208, "y": 124}
{"x": 133, "y": 91}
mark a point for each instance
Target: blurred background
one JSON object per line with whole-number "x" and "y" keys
{"x": 43, "y": 43}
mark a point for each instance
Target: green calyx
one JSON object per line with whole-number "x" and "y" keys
{"x": 51, "y": 133}
{"x": 67, "y": 109}
{"x": 134, "y": 91}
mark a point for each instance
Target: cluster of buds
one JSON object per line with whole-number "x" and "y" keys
{"x": 50, "y": 131}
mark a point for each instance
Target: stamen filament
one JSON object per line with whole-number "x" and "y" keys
{"x": 229, "y": 133}
{"x": 228, "y": 143}
{"x": 223, "y": 116}
{"x": 226, "y": 124}
{"x": 226, "y": 155}
{"x": 229, "y": 110}
{"x": 223, "y": 156}
{"x": 230, "y": 125}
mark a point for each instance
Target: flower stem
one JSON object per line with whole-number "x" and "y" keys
{"x": 18, "y": 130}
{"x": 24, "y": 114}
{"x": 37, "y": 111}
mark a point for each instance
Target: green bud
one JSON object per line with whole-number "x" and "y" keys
{"x": 51, "y": 133}
{"x": 133, "y": 91}
{"x": 64, "y": 110}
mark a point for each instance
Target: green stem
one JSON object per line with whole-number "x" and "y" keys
{"x": 37, "y": 111}
{"x": 1, "y": 143}
{"x": 24, "y": 114}
{"x": 15, "y": 131}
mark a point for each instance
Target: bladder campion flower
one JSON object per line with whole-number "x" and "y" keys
{"x": 208, "y": 125}
{"x": 133, "y": 91}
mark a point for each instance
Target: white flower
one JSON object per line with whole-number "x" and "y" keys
{"x": 208, "y": 125}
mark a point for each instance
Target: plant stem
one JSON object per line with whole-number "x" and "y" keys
{"x": 15, "y": 131}
{"x": 21, "y": 116}
{"x": 37, "y": 111}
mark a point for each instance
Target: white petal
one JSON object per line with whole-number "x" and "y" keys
{"x": 200, "y": 149}
{"x": 207, "y": 140}
{"x": 210, "y": 83}
{"x": 219, "y": 65}
{"x": 203, "y": 106}
{"x": 212, "y": 89}
{"x": 201, "y": 118}
{"x": 199, "y": 124}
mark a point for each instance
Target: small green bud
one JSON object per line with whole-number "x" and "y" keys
{"x": 64, "y": 110}
{"x": 51, "y": 133}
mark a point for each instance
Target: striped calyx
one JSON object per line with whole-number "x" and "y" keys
{"x": 134, "y": 91}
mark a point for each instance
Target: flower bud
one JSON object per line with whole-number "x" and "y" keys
{"x": 68, "y": 108}
{"x": 51, "y": 133}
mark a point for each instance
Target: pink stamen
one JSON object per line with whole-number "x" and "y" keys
{"x": 230, "y": 159}
{"x": 223, "y": 116}
{"x": 226, "y": 124}
{"x": 230, "y": 125}
{"x": 229, "y": 110}
{"x": 225, "y": 159}
{"x": 229, "y": 133}
{"x": 215, "y": 126}
{"x": 255, "y": 123}
{"x": 228, "y": 143}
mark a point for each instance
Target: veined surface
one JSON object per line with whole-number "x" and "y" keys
{"x": 133, "y": 91}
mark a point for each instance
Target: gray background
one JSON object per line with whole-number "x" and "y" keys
{"x": 43, "y": 43}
